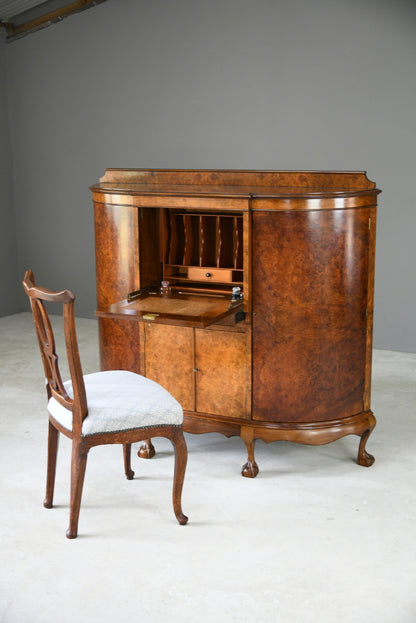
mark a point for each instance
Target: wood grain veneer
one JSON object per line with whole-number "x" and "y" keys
{"x": 301, "y": 245}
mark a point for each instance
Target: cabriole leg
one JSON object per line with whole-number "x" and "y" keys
{"x": 181, "y": 457}
{"x": 364, "y": 458}
{"x": 249, "y": 469}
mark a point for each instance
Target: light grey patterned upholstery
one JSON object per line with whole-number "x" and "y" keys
{"x": 120, "y": 400}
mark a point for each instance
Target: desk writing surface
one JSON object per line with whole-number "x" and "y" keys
{"x": 182, "y": 305}
{"x": 180, "y": 309}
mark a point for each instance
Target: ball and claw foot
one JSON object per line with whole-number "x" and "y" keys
{"x": 147, "y": 450}
{"x": 250, "y": 469}
{"x": 364, "y": 458}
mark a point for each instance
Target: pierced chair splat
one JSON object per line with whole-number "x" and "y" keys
{"x": 110, "y": 407}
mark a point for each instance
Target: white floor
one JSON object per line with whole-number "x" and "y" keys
{"x": 314, "y": 538}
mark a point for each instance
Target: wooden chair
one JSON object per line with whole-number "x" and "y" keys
{"x": 105, "y": 407}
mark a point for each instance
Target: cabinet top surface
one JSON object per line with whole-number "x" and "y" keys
{"x": 227, "y": 183}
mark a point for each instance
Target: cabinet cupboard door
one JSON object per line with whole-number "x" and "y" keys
{"x": 169, "y": 360}
{"x": 310, "y": 282}
{"x": 222, "y": 377}
{"x": 206, "y": 371}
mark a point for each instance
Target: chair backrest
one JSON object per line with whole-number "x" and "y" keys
{"x": 54, "y": 385}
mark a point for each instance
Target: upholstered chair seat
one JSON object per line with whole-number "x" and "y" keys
{"x": 119, "y": 400}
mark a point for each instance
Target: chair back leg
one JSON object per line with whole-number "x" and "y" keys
{"x": 53, "y": 442}
{"x": 127, "y": 461}
{"x": 78, "y": 466}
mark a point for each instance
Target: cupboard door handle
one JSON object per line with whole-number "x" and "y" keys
{"x": 196, "y": 369}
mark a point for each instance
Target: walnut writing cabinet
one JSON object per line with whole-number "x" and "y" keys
{"x": 247, "y": 294}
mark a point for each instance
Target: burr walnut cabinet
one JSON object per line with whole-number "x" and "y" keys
{"x": 247, "y": 294}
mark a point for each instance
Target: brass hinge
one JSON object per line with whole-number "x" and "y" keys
{"x": 369, "y": 223}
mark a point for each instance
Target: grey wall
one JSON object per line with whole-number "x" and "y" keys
{"x": 8, "y": 250}
{"x": 322, "y": 84}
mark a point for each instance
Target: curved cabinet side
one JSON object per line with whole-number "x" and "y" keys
{"x": 310, "y": 281}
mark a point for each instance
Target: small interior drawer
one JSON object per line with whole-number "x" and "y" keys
{"x": 216, "y": 275}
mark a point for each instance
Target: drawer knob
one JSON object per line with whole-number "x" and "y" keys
{"x": 208, "y": 275}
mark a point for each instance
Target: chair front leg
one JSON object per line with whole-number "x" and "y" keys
{"x": 127, "y": 461}
{"x": 53, "y": 442}
{"x": 78, "y": 466}
{"x": 181, "y": 457}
